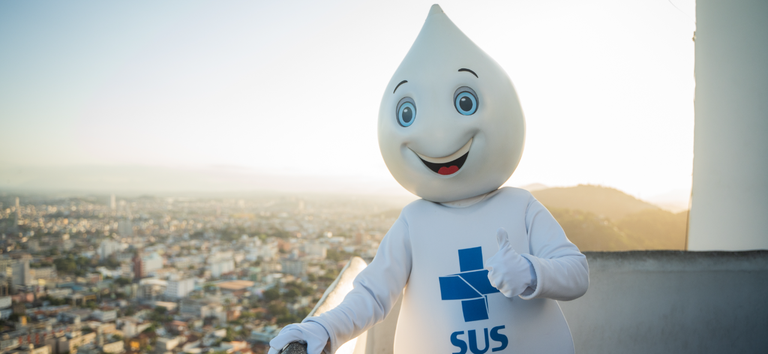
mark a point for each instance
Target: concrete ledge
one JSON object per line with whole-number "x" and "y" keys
{"x": 657, "y": 302}
{"x": 672, "y": 302}
{"x": 679, "y": 261}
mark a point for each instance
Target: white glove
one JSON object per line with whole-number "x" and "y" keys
{"x": 310, "y": 332}
{"x": 508, "y": 271}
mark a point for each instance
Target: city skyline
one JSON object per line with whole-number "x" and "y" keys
{"x": 607, "y": 90}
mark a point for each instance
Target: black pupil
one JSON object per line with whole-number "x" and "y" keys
{"x": 466, "y": 104}
{"x": 407, "y": 114}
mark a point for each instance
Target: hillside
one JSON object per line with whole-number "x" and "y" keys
{"x": 605, "y": 219}
{"x": 590, "y": 232}
{"x": 656, "y": 229}
{"x": 602, "y": 201}
{"x": 646, "y": 230}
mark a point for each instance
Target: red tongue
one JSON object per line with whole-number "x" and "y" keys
{"x": 448, "y": 170}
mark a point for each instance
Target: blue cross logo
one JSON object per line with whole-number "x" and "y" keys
{"x": 471, "y": 285}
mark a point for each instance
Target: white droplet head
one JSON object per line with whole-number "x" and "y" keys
{"x": 450, "y": 123}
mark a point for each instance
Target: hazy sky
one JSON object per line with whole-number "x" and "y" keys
{"x": 293, "y": 88}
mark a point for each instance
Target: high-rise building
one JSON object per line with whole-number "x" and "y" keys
{"x": 5, "y": 266}
{"x": 21, "y": 272}
{"x": 18, "y": 212}
{"x": 138, "y": 272}
{"x": 112, "y": 203}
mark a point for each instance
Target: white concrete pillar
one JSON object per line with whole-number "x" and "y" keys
{"x": 729, "y": 209}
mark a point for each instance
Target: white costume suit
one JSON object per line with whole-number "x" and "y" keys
{"x": 451, "y": 130}
{"x": 423, "y": 246}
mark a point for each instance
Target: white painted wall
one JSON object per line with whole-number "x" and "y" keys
{"x": 659, "y": 302}
{"x": 729, "y": 209}
{"x": 672, "y": 302}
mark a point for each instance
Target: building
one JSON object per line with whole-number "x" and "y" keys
{"x": 6, "y": 264}
{"x": 75, "y": 340}
{"x": 108, "y": 247}
{"x": 150, "y": 263}
{"x": 268, "y": 251}
{"x": 131, "y": 326}
{"x": 5, "y": 285}
{"x": 293, "y": 266}
{"x": 315, "y": 249}
{"x": 150, "y": 289}
{"x": 114, "y": 347}
{"x": 219, "y": 267}
{"x": 104, "y": 316}
{"x": 144, "y": 265}
{"x": 125, "y": 228}
{"x": 191, "y": 307}
{"x": 137, "y": 267}
{"x": 5, "y": 302}
{"x": 45, "y": 273}
{"x": 18, "y": 213}
{"x": 59, "y": 293}
{"x": 214, "y": 310}
{"x": 30, "y": 349}
{"x": 167, "y": 344}
{"x": 22, "y": 275}
{"x": 126, "y": 270}
{"x": 237, "y": 288}
{"x": 178, "y": 289}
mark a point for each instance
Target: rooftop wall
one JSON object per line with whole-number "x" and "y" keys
{"x": 672, "y": 302}
{"x": 647, "y": 302}
{"x": 660, "y": 302}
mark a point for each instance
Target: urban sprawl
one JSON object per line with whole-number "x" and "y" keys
{"x": 106, "y": 274}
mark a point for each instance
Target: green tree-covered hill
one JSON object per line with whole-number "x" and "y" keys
{"x": 605, "y": 219}
{"x": 602, "y": 201}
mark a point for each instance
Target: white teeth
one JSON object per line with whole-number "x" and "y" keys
{"x": 464, "y": 149}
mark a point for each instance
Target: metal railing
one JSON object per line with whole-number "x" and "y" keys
{"x": 332, "y": 297}
{"x": 295, "y": 348}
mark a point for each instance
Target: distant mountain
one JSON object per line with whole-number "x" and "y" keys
{"x": 602, "y": 201}
{"x": 590, "y": 232}
{"x": 656, "y": 229}
{"x": 605, "y": 219}
{"x": 646, "y": 230}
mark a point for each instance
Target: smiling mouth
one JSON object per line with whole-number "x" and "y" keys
{"x": 447, "y": 165}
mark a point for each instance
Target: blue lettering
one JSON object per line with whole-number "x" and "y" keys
{"x": 496, "y": 336}
{"x": 458, "y": 342}
{"x": 473, "y": 342}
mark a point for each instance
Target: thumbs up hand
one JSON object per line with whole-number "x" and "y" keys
{"x": 508, "y": 271}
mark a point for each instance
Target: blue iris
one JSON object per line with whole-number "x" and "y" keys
{"x": 466, "y": 102}
{"x": 406, "y": 112}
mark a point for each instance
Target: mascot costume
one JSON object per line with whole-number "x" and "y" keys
{"x": 479, "y": 267}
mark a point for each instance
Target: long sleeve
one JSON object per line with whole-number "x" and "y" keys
{"x": 561, "y": 269}
{"x": 376, "y": 289}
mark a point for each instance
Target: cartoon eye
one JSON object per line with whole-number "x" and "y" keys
{"x": 465, "y": 101}
{"x": 406, "y": 111}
